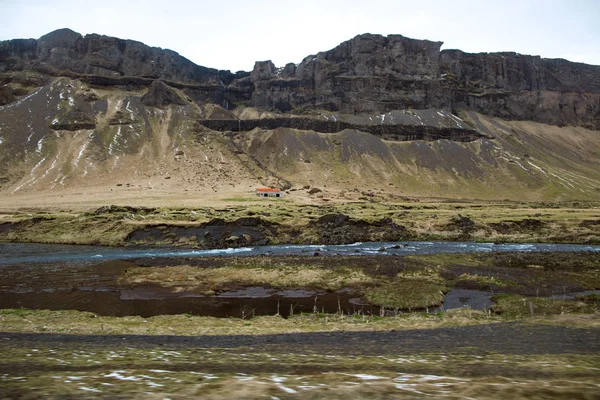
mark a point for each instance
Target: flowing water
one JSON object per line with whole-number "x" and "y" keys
{"x": 22, "y": 253}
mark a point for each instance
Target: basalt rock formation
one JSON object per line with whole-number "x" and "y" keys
{"x": 373, "y": 73}
{"x": 161, "y": 95}
{"x": 66, "y": 51}
{"x": 397, "y": 132}
{"x": 387, "y": 116}
{"x": 367, "y": 74}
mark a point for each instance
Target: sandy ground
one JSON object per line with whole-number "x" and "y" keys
{"x": 98, "y": 196}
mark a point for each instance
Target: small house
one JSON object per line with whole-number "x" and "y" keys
{"x": 269, "y": 192}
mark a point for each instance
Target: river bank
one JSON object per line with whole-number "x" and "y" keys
{"x": 252, "y": 223}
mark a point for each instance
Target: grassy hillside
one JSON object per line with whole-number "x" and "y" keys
{"x": 72, "y": 143}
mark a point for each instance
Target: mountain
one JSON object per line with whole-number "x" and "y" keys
{"x": 96, "y": 119}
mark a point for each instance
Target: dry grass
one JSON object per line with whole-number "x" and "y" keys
{"x": 482, "y": 280}
{"x": 77, "y": 322}
{"x": 520, "y": 306}
{"x": 407, "y": 294}
{"x": 498, "y": 222}
{"x": 209, "y": 280}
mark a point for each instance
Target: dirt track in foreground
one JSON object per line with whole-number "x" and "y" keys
{"x": 507, "y": 338}
{"x": 504, "y": 360}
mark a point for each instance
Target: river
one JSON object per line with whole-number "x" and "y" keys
{"x": 26, "y": 253}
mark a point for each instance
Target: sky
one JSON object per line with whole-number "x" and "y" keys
{"x": 233, "y": 34}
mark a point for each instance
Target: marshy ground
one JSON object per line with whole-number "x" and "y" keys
{"x": 517, "y": 284}
{"x": 530, "y": 343}
{"x": 460, "y": 353}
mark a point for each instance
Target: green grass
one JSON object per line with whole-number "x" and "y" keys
{"x": 519, "y": 306}
{"x": 407, "y": 294}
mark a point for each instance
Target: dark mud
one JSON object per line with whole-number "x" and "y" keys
{"x": 151, "y": 300}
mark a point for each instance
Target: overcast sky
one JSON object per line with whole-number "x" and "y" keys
{"x": 233, "y": 34}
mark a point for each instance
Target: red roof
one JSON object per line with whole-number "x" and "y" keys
{"x": 267, "y": 190}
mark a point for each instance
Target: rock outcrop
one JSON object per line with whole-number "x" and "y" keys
{"x": 367, "y": 74}
{"x": 395, "y": 132}
{"x": 66, "y": 51}
{"x": 373, "y": 73}
{"x": 160, "y": 95}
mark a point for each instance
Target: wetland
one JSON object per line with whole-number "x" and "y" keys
{"x": 345, "y": 301}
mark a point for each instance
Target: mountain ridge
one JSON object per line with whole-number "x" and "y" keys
{"x": 375, "y": 73}
{"x": 389, "y": 115}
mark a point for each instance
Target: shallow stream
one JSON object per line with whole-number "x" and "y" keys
{"x": 22, "y": 253}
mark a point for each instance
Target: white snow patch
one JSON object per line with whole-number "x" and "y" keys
{"x": 129, "y": 110}
{"x": 89, "y": 389}
{"x": 114, "y": 141}
{"x": 244, "y": 378}
{"x": 37, "y": 165}
{"x": 287, "y": 389}
{"x": 21, "y": 101}
{"x": 367, "y": 377}
{"x": 409, "y": 387}
{"x": 51, "y": 166}
{"x": 520, "y": 165}
{"x": 85, "y": 170}
{"x": 80, "y": 154}
{"x": 562, "y": 179}
{"x": 536, "y": 167}
{"x": 118, "y": 375}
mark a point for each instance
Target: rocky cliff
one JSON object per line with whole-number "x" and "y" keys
{"x": 367, "y": 74}
{"x": 373, "y": 73}
{"x": 65, "y": 52}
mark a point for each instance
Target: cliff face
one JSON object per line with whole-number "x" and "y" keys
{"x": 67, "y": 51}
{"x": 367, "y": 74}
{"x": 520, "y": 87}
{"x": 372, "y": 73}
